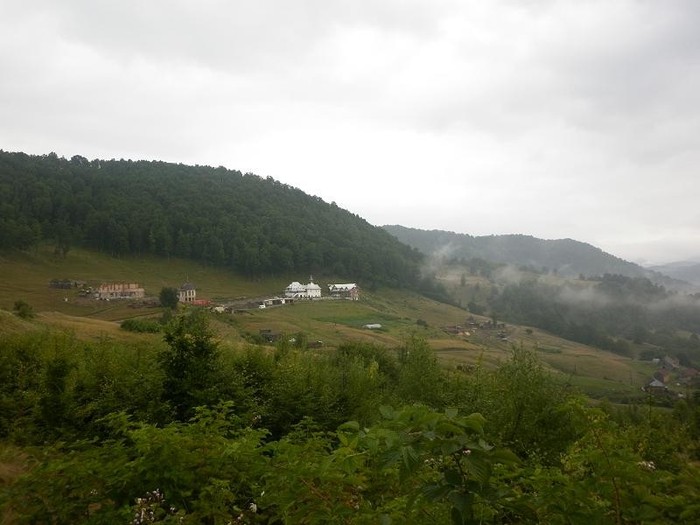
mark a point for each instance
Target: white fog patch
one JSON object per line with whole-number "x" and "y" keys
{"x": 437, "y": 259}
{"x": 585, "y": 296}
{"x": 508, "y": 275}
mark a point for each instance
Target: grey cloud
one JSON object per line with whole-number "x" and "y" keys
{"x": 553, "y": 118}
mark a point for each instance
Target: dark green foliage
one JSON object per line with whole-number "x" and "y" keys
{"x": 21, "y": 370}
{"x": 55, "y": 404}
{"x": 305, "y": 436}
{"x": 531, "y": 414}
{"x": 615, "y": 311}
{"x": 190, "y": 365}
{"x": 141, "y": 325}
{"x": 203, "y": 472}
{"x": 419, "y": 378}
{"x": 475, "y": 308}
{"x": 413, "y": 465}
{"x": 23, "y": 309}
{"x": 169, "y": 297}
{"x": 251, "y": 225}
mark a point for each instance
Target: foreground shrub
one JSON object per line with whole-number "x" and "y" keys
{"x": 141, "y": 326}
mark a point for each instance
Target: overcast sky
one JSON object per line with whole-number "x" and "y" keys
{"x": 557, "y": 119}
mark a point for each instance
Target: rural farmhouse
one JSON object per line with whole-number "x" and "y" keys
{"x": 346, "y": 290}
{"x": 187, "y": 293}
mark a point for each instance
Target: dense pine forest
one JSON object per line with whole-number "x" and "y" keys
{"x": 612, "y": 312}
{"x": 251, "y": 225}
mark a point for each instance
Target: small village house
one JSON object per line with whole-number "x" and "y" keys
{"x": 345, "y": 290}
{"x": 656, "y": 387}
{"x": 108, "y": 291}
{"x": 187, "y": 293}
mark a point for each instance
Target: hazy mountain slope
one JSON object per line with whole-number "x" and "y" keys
{"x": 684, "y": 270}
{"x": 566, "y": 256}
{"x": 222, "y": 217}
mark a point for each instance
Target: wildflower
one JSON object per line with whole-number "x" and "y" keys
{"x": 648, "y": 465}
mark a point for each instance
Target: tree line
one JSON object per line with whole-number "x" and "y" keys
{"x": 613, "y": 314}
{"x": 252, "y": 225}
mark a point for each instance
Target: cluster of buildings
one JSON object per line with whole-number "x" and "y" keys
{"x": 187, "y": 293}
{"x": 109, "y": 291}
{"x": 311, "y": 290}
{"x": 670, "y": 371}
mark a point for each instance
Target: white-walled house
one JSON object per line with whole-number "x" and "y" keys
{"x": 187, "y": 293}
{"x": 313, "y": 290}
{"x": 296, "y": 289}
{"x": 345, "y": 290}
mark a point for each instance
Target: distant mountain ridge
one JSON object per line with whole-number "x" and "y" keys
{"x": 565, "y": 256}
{"x": 688, "y": 271}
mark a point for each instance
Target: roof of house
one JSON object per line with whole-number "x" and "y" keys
{"x": 344, "y": 286}
{"x": 656, "y": 383}
{"x": 313, "y": 286}
{"x": 187, "y": 286}
{"x": 296, "y": 285}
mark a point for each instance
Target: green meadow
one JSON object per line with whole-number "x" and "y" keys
{"x": 401, "y": 314}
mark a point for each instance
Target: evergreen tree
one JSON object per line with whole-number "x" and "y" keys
{"x": 190, "y": 365}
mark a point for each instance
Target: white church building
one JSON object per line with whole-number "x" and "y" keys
{"x": 296, "y": 290}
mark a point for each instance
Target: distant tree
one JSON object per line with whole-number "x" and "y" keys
{"x": 23, "y": 309}
{"x": 63, "y": 238}
{"x": 168, "y": 297}
{"x": 475, "y": 308}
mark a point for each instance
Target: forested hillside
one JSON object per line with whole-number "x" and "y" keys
{"x": 688, "y": 271}
{"x": 251, "y": 225}
{"x": 614, "y": 313}
{"x": 564, "y": 256}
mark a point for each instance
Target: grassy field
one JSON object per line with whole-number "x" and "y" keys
{"x": 26, "y": 276}
{"x": 401, "y": 315}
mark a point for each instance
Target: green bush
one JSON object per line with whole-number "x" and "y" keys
{"x": 23, "y": 309}
{"x": 141, "y": 326}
